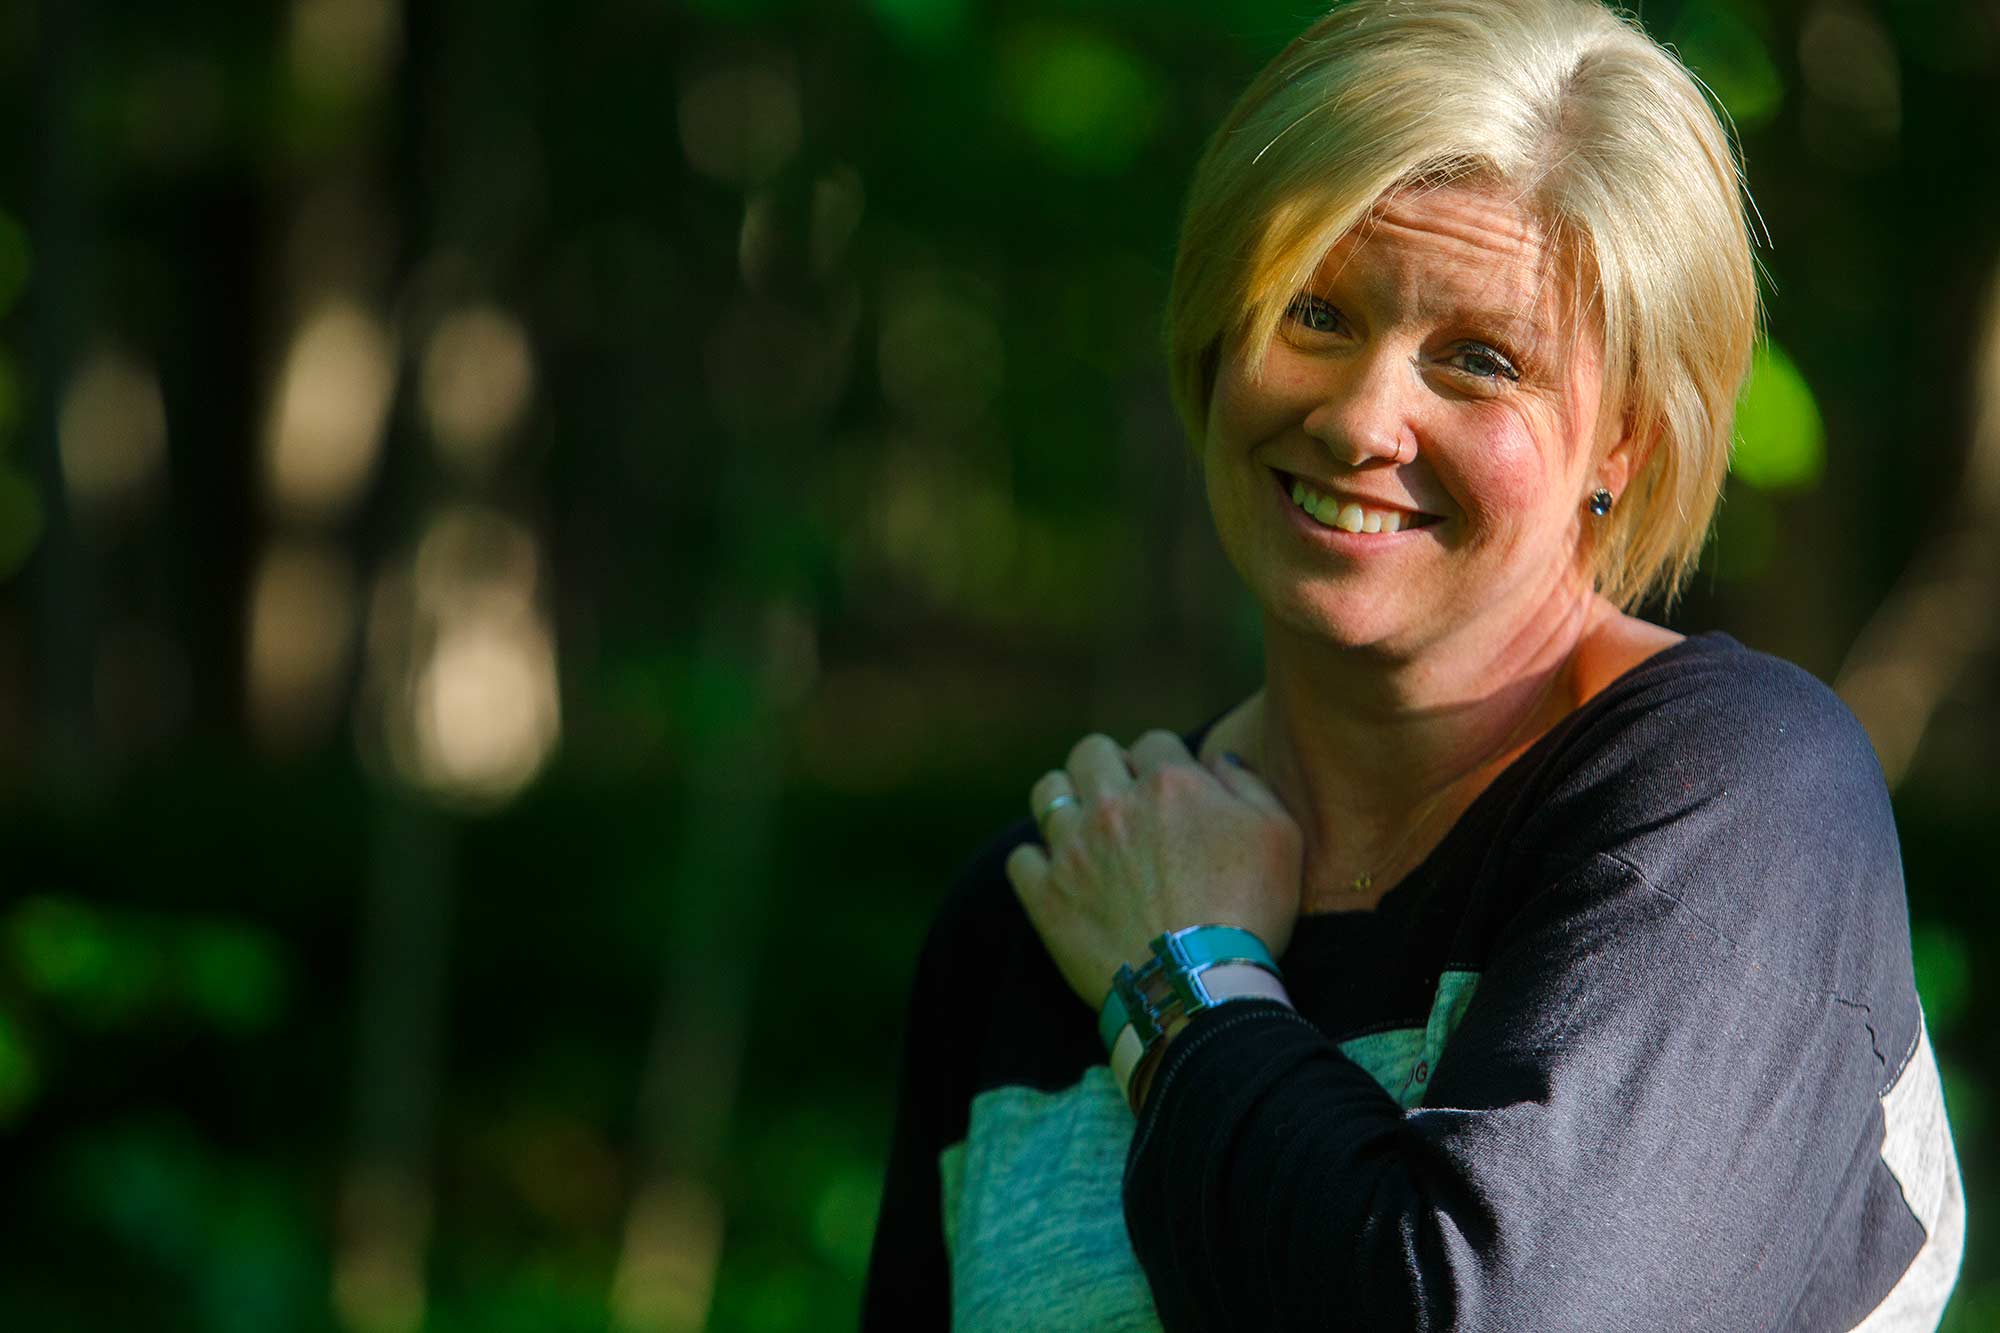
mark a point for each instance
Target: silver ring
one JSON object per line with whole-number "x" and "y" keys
{"x": 1056, "y": 803}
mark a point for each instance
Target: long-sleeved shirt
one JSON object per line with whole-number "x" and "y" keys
{"x": 1636, "y": 1047}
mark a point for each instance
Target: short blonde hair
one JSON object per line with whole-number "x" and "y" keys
{"x": 1597, "y": 130}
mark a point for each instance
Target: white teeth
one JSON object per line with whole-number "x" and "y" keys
{"x": 1349, "y": 517}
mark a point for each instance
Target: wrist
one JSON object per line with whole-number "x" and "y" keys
{"x": 1192, "y": 971}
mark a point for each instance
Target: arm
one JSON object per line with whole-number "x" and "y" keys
{"x": 1633, "y": 1128}
{"x": 1661, "y": 1109}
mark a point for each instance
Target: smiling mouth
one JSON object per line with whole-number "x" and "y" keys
{"x": 1349, "y": 515}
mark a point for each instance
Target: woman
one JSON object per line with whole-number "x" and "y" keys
{"x": 1579, "y": 994}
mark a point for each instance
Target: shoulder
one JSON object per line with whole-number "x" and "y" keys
{"x": 980, "y": 908}
{"x": 1013, "y": 1018}
{"x": 1708, "y": 719}
{"x": 1738, "y": 785}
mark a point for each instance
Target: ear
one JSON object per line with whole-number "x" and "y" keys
{"x": 1626, "y": 457}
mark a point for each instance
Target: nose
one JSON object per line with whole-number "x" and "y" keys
{"x": 1364, "y": 414}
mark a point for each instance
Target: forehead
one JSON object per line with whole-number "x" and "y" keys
{"x": 1437, "y": 248}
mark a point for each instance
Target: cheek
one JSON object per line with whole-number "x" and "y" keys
{"x": 1234, "y": 412}
{"x": 1246, "y": 410}
{"x": 1506, "y": 477}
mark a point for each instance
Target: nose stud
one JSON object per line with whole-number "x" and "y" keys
{"x": 1601, "y": 501}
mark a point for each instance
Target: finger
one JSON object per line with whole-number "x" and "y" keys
{"x": 1098, "y": 766}
{"x": 1052, "y": 801}
{"x": 1245, "y": 785}
{"x": 1028, "y": 871}
{"x": 1156, "y": 750}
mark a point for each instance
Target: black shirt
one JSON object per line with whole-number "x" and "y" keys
{"x": 1637, "y": 1046}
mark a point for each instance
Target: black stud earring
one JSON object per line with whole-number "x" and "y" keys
{"x": 1600, "y": 502}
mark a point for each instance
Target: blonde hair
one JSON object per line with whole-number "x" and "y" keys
{"x": 1598, "y": 131}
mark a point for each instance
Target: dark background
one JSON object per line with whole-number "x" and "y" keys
{"x": 535, "y": 536}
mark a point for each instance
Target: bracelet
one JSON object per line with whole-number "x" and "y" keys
{"x": 1135, "y": 997}
{"x": 1192, "y": 969}
{"x": 1221, "y": 984}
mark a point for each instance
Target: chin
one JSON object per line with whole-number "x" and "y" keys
{"x": 1339, "y": 619}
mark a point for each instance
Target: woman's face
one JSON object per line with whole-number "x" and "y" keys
{"x": 1427, "y": 389}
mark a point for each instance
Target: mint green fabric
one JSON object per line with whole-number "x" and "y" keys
{"x": 1034, "y": 1217}
{"x": 1403, "y": 1059}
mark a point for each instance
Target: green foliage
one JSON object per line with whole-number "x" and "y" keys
{"x": 925, "y": 25}
{"x": 1088, "y": 102}
{"x": 111, "y": 968}
{"x": 234, "y": 1234}
{"x": 20, "y": 1078}
{"x": 1944, "y": 974}
{"x": 234, "y": 976}
{"x": 1722, "y": 45}
{"x": 1780, "y": 440}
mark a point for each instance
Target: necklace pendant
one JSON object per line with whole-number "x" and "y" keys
{"x": 1362, "y": 882}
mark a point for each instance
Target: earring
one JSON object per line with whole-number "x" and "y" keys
{"x": 1601, "y": 501}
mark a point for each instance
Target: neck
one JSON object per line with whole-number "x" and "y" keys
{"x": 1376, "y": 756}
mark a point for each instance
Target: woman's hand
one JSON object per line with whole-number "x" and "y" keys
{"x": 1152, "y": 843}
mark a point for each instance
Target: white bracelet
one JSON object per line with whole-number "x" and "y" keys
{"x": 1223, "y": 982}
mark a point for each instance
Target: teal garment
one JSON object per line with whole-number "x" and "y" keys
{"x": 1033, "y": 1216}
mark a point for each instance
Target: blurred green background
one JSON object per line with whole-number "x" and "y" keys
{"x": 535, "y": 536}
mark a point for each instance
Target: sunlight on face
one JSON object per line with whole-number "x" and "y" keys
{"x": 1412, "y": 462}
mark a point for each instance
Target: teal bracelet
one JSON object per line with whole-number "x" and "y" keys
{"x": 1182, "y": 955}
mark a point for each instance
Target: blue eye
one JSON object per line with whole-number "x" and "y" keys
{"x": 1313, "y": 314}
{"x": 1486, "y": 363}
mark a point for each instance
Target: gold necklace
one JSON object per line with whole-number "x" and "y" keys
{"x": 1365, "y": 880}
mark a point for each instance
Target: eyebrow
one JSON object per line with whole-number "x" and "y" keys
{"x": 1519, "y": 323}
{"x": 1512, "y": 323}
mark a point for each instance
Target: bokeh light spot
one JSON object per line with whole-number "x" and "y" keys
{"x": 302, "y": 617}
{"x": 342, "y": 50}
{"x": 478, "y": 375}
{"x": 1780, "y": 439}
{"x": 941, "y": 354}
{"x": 927, "y": 25}
{"x": 844, "y": 1217}
{"x": 20, "y": 1077}
{"x": 332, "y": 399}
{"x": 1718, "y": 43}
{"x": 1088, "y": 102}
{"x": 1944, "y": 973}
{"x": 97, "y": 967}
{"x": 1850, "y": 60}
{"x": 112, "y": 430}
{"x": 740, "y": 123}
{"x": 234, "y": 976}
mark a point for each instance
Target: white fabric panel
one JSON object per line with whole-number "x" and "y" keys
{"x": 1916, "y": 1147}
